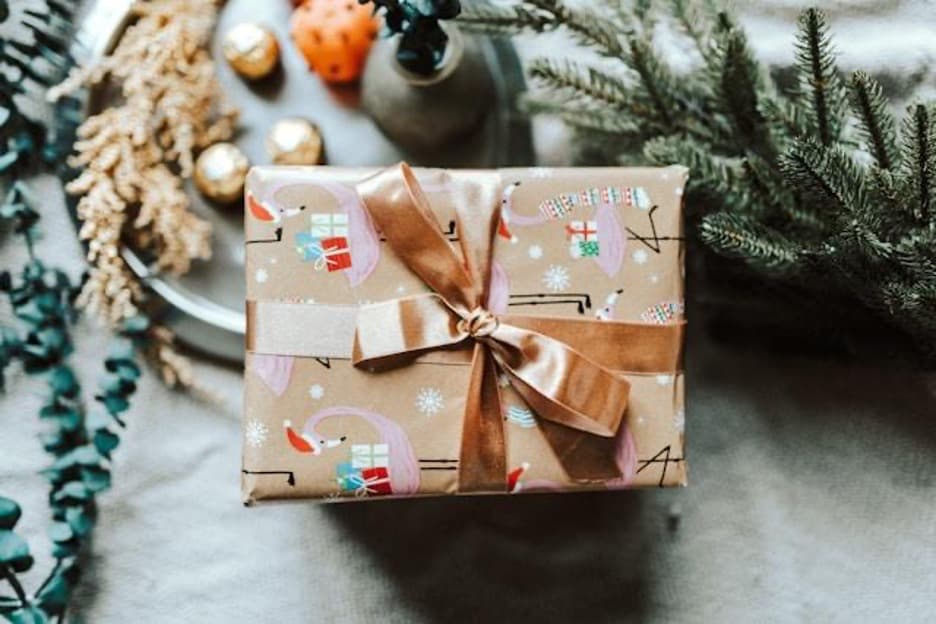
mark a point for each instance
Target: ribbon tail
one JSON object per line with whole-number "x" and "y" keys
{"x": 584, "y": 457}
{"x": 483, "y": 462}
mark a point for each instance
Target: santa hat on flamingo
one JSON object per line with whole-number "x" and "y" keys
{"x": 296, "y": 440}
{"x": 513, "y": 477}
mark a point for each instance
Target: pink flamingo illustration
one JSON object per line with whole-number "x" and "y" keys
{"x": 625, "y": 456}
{"x": 606, "y": 313}
{"x": 404, "y": 467}
{"x": 611, "y": 230}
{"x": 363, "y": 241}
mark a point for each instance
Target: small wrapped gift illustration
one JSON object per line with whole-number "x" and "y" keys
{"x": 328, "y": 225}
{"x": 330, "y": 254}
{"x": 583, "y": 239}
{"x": 368, "y": 471}
{"x": 457, "y": 345}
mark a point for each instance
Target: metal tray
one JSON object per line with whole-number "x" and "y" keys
{"x": 205, "y": 307}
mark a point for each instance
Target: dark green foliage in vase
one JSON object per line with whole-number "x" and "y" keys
{"x": 33, "y": 55}
{"x": 422, "y": 40}
{"x": 817, "y": 188}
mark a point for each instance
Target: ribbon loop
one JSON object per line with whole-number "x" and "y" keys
{"x": 560, "y": 384}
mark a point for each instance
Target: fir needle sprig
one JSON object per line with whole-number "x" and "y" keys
{"x": 813, "y": 188}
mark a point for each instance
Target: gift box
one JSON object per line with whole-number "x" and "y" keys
{"x": 437, "y": 332}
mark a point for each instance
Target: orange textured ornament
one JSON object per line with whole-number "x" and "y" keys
{"x": 334, "y": 36}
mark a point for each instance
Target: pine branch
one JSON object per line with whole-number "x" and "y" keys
{"x": 593, "y": 87}
{"x": 696, "y": 24}
{"x": 740, "y": 83}
{"x": 656, "y": 80}
{"x": 827, "y": 177}
{"x": 579, "y": 115}
{"x": 714, "y": 174}
{"x": 781, "y": 172}
{"x": 919, "y": 163}
{"x": 822, "y": 93}
{"x": 587, "y": 27}
{"x": 746, "y": 238}
{"x": 877, "y": 122}
{"x": 503, "y": 20}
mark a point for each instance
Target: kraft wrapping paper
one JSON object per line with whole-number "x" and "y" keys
{"x": 398, "y": 432}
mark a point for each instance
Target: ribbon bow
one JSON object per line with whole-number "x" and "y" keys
{"x": 579, "y": 402}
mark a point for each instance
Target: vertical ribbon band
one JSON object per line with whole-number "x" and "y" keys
{"x": 579, "y": 403}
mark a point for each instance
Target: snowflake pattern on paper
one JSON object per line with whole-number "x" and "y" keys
{"x": 429, "y": 401}
{"x": 679, "y": 420}
{"x": 640, "y": 256}
{"x": 556, "y": 278}
{"x": 255, "y": 433}
{"x": 521, "y": 416}
{"x": 316, "y": 391}
{"x": 536, "y": 252}
{"x": 261, "y": 276}
{"x": 664, "y": 380}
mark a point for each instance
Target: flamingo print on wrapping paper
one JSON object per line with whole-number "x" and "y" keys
{"x": 363, "y": 242}
{"x": 404, "y": 467}
{"x": 625, "y": 457}
{"x": 612, "y": 241}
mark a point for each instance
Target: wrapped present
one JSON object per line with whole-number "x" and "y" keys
{"x": 584, "y": 249}
{"x": 335, "y": 253}
{"x": 432, "y": 359}
{"x": 370, "y": 456}
{"x": 578, "y": 231}
{"x": 330, "y": 254}
{"x": 350, "y": 478}
{"x": 328, "y": 225}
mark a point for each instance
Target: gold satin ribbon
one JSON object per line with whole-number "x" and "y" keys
{"x": 579, "y": 403}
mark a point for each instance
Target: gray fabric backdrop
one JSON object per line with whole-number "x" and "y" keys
{"x": 811, "y": 495}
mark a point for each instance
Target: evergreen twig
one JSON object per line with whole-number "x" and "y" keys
{"x": 778, "y": 180}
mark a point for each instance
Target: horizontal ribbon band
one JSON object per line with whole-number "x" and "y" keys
{"x": 328, "y": 331}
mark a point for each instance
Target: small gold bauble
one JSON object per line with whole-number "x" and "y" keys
{"x": 252, "y": 50}
{"x": 294, "y": 141}
{"x": 220, "y": 172}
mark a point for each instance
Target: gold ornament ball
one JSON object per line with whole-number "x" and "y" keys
{"x": 220, "y": 172}
{"x": 251, "y": 50}
{"x": 294, "y": 141}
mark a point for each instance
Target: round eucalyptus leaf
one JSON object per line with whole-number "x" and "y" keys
{"x": 14, "y": 551}
{"x": 105, "y": 441}
{"x": 27, "y": 615}
{"x": 9, "y": 513}
{"x": 60, "y": 532}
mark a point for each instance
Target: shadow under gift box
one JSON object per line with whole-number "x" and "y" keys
{"x": 596, "y": 245}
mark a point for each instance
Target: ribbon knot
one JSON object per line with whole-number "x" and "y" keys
{"x": 479, "y": 323}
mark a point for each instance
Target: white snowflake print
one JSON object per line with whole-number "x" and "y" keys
{"x": 256, "y": 433}
{"x": 540, "y": 172}
{"x": 679, "y": 191}
{"x": 429, "y": 401}
{"x": 654, "y": 278}
{"x": 261, "y": 276}
{"x": 273, "y": 260}
{"x": 316, "y": 391}
{"x": 679, "y": 420}
{"x": 664, "y": 380}
{"x": 556, "y": 278}
{"x": 401, "y": 289}
{"x": 535, "y": 251}
{"x": 641, "y": 256}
